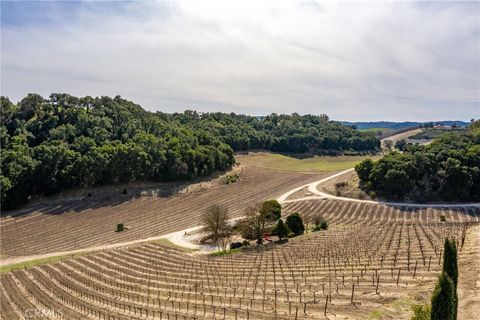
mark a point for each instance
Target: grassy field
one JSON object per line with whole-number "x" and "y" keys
{"x": 312, "y": 164}
{"x": 376, "y": 130}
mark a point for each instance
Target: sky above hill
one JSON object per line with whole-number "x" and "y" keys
{"x": 378, "y": 60}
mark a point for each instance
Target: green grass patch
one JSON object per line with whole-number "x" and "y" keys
{"x": 37, "y": 262}
{"x": 311, "y": 164}
{"x": 226, "y": 253}
{"x": 402, "y": 303}
{"x": 375, "y": 314}
{"x": 377, "y": 130}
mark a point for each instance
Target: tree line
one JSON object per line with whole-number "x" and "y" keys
{"x": 55, "y": 143}
{"x": 278, "y": 132}
{"x": 446, "y": 170}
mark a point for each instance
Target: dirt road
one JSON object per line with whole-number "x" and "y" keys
{"x": 317, "y": 194}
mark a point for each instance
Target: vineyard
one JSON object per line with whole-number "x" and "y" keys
{"x": 375, "y": 260}
{"x": 84, "y": 222}
{"x": 353, "y": 213}
{"x": 372, "y": 258}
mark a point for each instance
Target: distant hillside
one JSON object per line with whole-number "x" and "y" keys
{"x": 399, "y": 125}
{"x": 445, "y": 170}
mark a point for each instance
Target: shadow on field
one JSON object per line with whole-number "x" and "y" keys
{"x": 78, "y": 200}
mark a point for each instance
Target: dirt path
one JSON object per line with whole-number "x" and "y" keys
{"x": 174, "y": 237}
{"x": 469, "y": 277}
{"x": 400, "y": 136}
{"x": 317, "y": 194}
{"x": 186, "y": 238}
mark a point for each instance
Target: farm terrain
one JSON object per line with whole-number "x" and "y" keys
{"x": 81, "y": 222}
{"x": 374, "y": 262}
{"x": 300, "y": 164}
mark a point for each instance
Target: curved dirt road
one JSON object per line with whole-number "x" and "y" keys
{"x": 313, "y": 189}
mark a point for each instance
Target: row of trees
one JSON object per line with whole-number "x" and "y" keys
{"x": 61, "y": 142}
{"x": 280, "y": 133}
{"x": 447, "y": 169}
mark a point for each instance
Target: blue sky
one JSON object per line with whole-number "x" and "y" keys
{"x": 378, "y": 60}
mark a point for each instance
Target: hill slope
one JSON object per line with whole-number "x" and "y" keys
{"x": 49, "y": 145}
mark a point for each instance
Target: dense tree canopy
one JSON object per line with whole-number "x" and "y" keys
{"x": 279, "y": 133}
{"x": 52, "y": 144}
{"x": 295, "y": 224}
{"x": 447, "y": 169}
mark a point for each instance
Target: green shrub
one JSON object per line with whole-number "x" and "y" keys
{"x": 231, "y": 178}
{"x": 421, "y": 312}
{"x": 324, "y": 225}
{"x": 120, "y": 227}
{"x": 295, "y": 223}
{"x": 271, "y": 209}
{"x": 443, "y": 304}
{"x": 450, "y": 267}
{"x": 281, "y": 230}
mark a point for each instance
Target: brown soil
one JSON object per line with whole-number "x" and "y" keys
{"x": 388, "y": 266}
{"x": 80, "y": 221}
{"x": 469, "y": 276}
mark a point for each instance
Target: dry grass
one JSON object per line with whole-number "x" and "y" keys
{"x": 345, "y": 186}
{"x": 311, "y": 164}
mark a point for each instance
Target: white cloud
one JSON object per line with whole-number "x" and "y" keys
{"x": 350, "y": 60}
